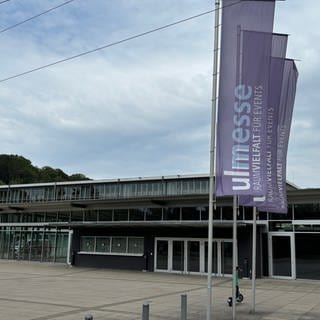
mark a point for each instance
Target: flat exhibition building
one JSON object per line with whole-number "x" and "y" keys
{"x": 155, "y": 224}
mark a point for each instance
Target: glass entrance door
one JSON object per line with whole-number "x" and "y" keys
{"x": 214, "y": 257}
{"x": 178, "y": 255}
{"x": 162, "y": 255}
{"x": 281, "y": 252}
{"x": 226, "y": 257}
{"x": 191, "y": 256}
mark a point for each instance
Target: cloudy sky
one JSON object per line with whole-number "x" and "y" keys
{"x": 141, "y": 108}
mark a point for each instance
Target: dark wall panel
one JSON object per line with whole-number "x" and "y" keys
{"x": 109, "y": 261}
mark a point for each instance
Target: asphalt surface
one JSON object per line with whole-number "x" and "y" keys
{"x": 37, "y": 291}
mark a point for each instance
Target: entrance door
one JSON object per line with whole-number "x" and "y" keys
{"x": 214, "y": 257}
{"x": 226, "y": 257}
{"x": 162, "y": 255}
{"x": 191, "y": 256}
{"x": 281, "y": 255}
{"x": 178, "y": 255}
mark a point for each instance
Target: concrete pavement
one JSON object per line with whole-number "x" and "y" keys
{"x": 37, "y": 291}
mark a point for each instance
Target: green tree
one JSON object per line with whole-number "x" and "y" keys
{"x": 16, "y": 169}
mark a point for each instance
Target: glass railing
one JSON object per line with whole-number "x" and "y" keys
{"x": 109, "y": 190}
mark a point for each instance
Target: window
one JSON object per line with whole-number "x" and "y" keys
{"x": 76, "y": 215}
{"x": 173, "y": 188}
{"x": 111, "y": 191}
{"x": 64, "y": 216}
{"x": 51, "y": 217}
{"x": 105, "y": 215}
{"x": 307, "y": 211}
{"x": 205, "y": 213}
{"x": 135, "y": 245}
{"x": 120, "y": 215}
{"x": 171, "y": 214}
{"x": 153, "y": 214}
{"x": 227, "y": 213}
{"x": 187, "y": 187}
{"x": 90, "y": 215}
{"x": 99, "y": 191}
{"x": 191, "y": 213}
{"x": 112, "y": 245}
{"x": 87, "y": 244}
{"x": 119, "y": 245}
{"x": 136, "y": 214}
{"x": 103, "y": 244}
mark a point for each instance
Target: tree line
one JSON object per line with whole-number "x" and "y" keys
{"x": 15, "y": 169}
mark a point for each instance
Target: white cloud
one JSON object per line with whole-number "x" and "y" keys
{"x": 140, "y": 108}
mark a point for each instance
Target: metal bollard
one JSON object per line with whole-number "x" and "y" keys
{"x": 88, "y": 317}
{"x": 145, "y": 311}
{"x": 183, "y": 307}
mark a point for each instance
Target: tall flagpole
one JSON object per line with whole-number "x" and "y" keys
{"x": 253, "y": 270}
{"x": 234, "y": 255}
{"x": 212, "y": 152}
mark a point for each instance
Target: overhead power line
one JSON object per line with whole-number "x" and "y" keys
{"x": 113, "y": 44}
{"x": 1, "y": 2}
{"x": 35, "y": 16}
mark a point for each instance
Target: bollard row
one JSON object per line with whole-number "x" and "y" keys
{"x": 146, "y": 307}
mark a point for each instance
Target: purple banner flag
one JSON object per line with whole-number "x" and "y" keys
{"x": 276, "y": 196}
{"x": 279, "y": 45}
{"x": 278, "y": 201}
{"x": 244, "y": 63}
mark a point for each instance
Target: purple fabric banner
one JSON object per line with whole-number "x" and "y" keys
{"x": 276, "y": 196}
{"x": 278, "y": 203}
{"x": 235, "y": 157}
{"x": 279, "y": 45}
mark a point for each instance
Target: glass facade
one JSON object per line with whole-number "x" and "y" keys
{"x": 33, "y": 243}
{"x": 104, "y": 190}
{"x": 107, "y": 215}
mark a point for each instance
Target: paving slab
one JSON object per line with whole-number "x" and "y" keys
{"x": 40, "y": 291}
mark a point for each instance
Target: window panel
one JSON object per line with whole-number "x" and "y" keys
{"x": 120, "y": 214}
{"x": 119, "y": 245}
{"x": 75, "y": 192}
{"x": 87, "y": 244}
{"x": 171, "y": 214}
{"x": 105, "y": 215}
{"x": 64, "y": 216}
{"x": 154, "y": 214}
{"x": 135, "y": 245}
{"x": 227, "y": 213}
{"x": 51, "y": 216}
{"x": 76, "y": 215}
{"x": 90, "y": 215}
{"x": 173, "y": 188}
{"x": 190, "y": 213}
{"x": 111, "y": 191}
{"x": 306, "y": 211}
{"x": 102, "y": 244}
{"x": 27, "y": 217}
{"x": 136, "y": 214}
